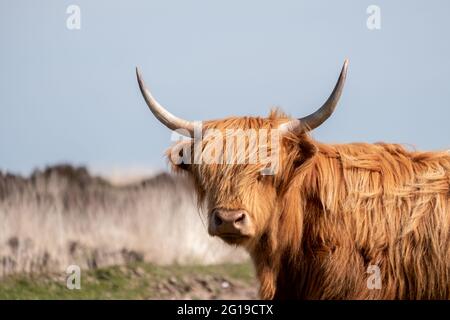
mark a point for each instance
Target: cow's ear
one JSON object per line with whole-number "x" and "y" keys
{"x": 306, "y": 150}
{"x": 298, "y": 150}
{"x": 177, "y": 158}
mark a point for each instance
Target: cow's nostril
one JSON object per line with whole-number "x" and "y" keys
{"x": 240, "y": 218}
{"x": 217, "y": 220}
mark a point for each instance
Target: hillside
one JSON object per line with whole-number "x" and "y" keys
{"x": 63, "y": 215}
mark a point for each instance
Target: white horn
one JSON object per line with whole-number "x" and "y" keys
{"x": 165, "y": 117}
{"x": 315, "y": 119}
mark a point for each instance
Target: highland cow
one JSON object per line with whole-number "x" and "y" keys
{"x": 325, "y": 215}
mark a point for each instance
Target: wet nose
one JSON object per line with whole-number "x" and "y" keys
{"x": 228, "y": 221}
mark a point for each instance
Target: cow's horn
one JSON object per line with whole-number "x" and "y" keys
{"x": 169, "y": 120}
{"x": 315, "y": 119}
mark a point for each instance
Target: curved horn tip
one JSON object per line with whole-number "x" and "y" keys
{"x": 345, "y": 65}
{"x": 164, "y": 116}
{"x": 138, "y": 74}
{"x": 315, "y": 119}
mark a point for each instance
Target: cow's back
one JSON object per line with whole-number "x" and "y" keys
{"x": 369, "y": 209}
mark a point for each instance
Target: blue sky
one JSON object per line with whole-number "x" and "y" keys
{"x": 71, "y": 95}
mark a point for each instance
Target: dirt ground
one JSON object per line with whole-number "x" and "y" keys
{"x": 205, "y": 287}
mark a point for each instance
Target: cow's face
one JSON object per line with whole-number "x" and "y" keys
{"x": 234, "y": 167}
{"x": 242, "y": 191}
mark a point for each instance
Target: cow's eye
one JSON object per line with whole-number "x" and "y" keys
{"x": 265, "y": 179}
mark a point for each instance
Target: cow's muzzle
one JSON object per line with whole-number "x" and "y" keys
{"x": 230, "y": 225}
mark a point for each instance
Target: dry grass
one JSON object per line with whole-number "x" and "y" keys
{"x": 63, "y": 216}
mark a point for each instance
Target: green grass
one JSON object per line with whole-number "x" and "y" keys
{"x": 136, "y": 281}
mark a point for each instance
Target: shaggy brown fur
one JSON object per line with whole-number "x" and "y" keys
{"x": 332, "y": 210}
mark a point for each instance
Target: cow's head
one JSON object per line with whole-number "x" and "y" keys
{"x": 242, "y": 166}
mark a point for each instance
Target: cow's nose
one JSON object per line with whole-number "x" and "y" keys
{"x": 228, "y": 221}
